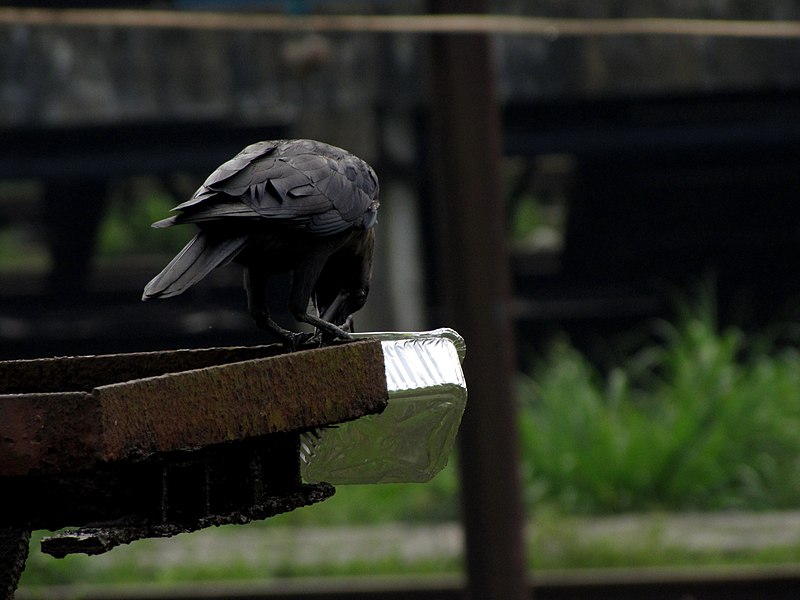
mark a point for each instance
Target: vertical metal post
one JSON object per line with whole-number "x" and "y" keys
{"x": 474, "y": 273}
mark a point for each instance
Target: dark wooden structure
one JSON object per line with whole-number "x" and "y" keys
{"x": 665, "y": 191}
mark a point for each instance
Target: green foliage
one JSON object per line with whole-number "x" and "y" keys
{"x": 19, "y": 251}
{"x": 435, "y": 501}
{"x": 126, "y": 230}
{"x": 695, "y": 422}
{"x": 526, "y": 217}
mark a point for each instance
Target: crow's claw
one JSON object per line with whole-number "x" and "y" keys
{"x": 295, "y": 341}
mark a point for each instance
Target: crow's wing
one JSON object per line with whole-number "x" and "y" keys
{"x": 297, "y": 183}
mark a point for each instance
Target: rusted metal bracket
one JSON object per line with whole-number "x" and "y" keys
{"x": 139, "y": 445}
{"x": 69, "y": 414}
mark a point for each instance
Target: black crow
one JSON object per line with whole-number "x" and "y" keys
{"x": 298, "y": 206}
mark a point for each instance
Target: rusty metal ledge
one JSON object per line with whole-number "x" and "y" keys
{"x": 69, "y": 414}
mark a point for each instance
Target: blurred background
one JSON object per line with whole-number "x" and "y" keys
{"x": 649, "y": 186}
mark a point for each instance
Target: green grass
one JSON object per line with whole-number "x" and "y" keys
{"x": 436, "y": 501}
{"x": 559, "y": 542}
{"x": 696, "y": 422}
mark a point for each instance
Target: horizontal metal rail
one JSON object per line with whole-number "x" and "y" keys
{"x": 414, "y": 24}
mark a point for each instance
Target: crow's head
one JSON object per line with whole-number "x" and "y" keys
{"x": 343, "y": 285}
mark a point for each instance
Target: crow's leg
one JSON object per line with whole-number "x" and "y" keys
{"x": 334, "y": 307}
{"x": 255, "y": 284}
{"x": 303, "y": 281}
{"x": 333, "y": 315}
{"x": 328, "y": 330}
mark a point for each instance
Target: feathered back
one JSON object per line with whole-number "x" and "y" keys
{"x": 296, "y": 183}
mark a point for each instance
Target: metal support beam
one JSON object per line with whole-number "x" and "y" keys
{"x": 13, "y": 553}
{"x": 71, "y": 413}
{"x": 153, "y": 444}
{"x": 474, "y": 271}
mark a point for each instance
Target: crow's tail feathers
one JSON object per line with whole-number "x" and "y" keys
{"x": 198, "y": 258}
